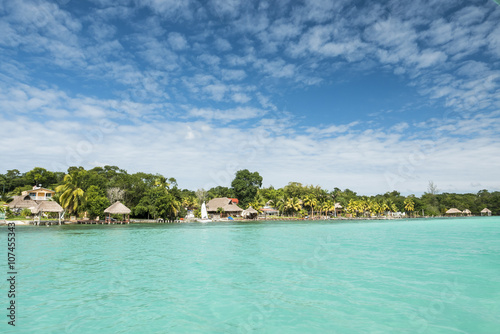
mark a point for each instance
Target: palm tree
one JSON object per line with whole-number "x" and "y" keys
{"x": 409, "y": 204}
{"x": 162, "y": 182}
{"x": 311, "y": 201}
{"x": 72, "y": 195}
{"x": 278, "y": 204}
{"x": 394, "y": 208}
{"x": 174, "y": 207}
{"x": 328, "y": 206}
{"x": 292, "y": 204}
{"x": 220, "y": 211}
{"x": 386, "y": 206}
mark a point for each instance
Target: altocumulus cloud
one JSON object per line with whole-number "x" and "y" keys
{"x": 197, "y": 90}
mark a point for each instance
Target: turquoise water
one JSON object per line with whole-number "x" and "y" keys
{"x": 415, "y": 276}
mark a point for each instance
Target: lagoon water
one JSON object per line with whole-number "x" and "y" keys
{"x": 400, "y": 276}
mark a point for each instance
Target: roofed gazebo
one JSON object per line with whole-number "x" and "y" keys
{"x": 118, "y": 208}
{"x": 453, "y": 211}
{"x": 47, "y": 206}
{"x": 250, "y": 213}
{"x": 467, "y": 212}
{"x": 485, "y": 212}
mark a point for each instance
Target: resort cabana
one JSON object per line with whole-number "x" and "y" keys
{"x": 453, "y": 211}
{"x": 249, "y": 213}
{"x": 467, "y": 212}
{"x": 485, "y": 212}
{"x": 47, "y": 206}
{"x": 117, "y": 209}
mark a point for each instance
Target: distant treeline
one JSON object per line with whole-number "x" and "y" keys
{"x": 157, "y": 196}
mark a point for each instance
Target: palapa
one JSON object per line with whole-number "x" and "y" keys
{"x": 453, "y": 211}
{"x": 117, "y": 208}
{"x": 250, "y": 212}
{"x": 22, "y": 202}
{"x": 48, "y": 206}
{"x": 486, "y": 212}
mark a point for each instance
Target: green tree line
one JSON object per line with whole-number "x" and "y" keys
{"x": 156, "y": 196}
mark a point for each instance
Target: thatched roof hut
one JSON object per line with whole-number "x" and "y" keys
{"x": 118, "y": 208}
{"x": 47, "y": 206}
{"x": 22, "y": 202}
{"x": 485, "y": 212}
{"x": 467, "y": 212}
{"x": 225, "y": 203}
{"x": 250, "y": 213}
{"x": 453, "y": 211}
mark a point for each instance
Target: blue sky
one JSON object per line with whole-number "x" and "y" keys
{"x": 369, "y": 95}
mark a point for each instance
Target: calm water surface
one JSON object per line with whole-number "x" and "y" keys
{"x": 417, "y": 276}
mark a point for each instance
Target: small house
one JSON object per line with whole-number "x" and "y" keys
{"x": 39, "y": 194}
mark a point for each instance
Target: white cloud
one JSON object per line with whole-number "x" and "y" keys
{"x": 233, "y": 74}
{"x": 216, "y": 91}
{"x": 277, "y": 68}
{"x": 169, "y": 8}
{"x": 239, "y": 113}
{"x": 331, "y": 130}
{"x": 240, "y": 98}
{"x": 222, "y": 44}
{"x": 177, "y": 41}
{"x": 209, "y": 59}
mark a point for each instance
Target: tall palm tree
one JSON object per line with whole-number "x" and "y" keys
{"x": 328, "y": 206}
{"x": 292, "y": 204}
{"x": 310, "y": 201}
{"x": 72, "y": 195}
{"x": 174, "y": 207}
{"x": 278, "y": 204}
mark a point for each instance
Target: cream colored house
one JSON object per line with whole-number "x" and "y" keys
{"x": 39, "y": 194}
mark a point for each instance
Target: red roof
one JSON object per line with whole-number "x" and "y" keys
{"x": 234, "y": 200}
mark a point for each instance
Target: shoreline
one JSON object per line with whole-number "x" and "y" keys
{"x": 284, "y": 219}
